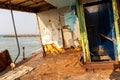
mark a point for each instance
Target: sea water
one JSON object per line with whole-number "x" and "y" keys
{"x": 30, "y": 43}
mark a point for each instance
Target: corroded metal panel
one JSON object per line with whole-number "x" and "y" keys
{"x": 5, "y": 59}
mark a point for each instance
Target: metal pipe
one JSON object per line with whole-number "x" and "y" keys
{"x": 15, "y": 31}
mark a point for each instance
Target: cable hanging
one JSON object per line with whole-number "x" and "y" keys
{"x": 14, "y": 31}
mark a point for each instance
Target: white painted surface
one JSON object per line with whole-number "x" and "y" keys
{"x": 68, "y": 38}
{"x": 51, "y": 26}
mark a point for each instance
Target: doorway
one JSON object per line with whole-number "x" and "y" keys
{"x": 100, "y": 31}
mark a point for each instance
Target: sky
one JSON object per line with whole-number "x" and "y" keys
{"x": 25, "y": 22}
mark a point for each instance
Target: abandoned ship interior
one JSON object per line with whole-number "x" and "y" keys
{"x": 93, "y": 24}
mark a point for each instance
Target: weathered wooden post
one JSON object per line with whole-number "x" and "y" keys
{"x": 23, "y": 52}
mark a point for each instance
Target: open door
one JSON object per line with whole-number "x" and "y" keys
{"x": 100, "y": 30}
{"x": 99, "y": 25}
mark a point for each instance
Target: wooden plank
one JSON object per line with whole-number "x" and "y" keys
{"x": 33, "y": 6}
{"x": 3, "y": 1}
{"x": 27, "y": 3}
{"x": 101, "y": 58}
{"x": 39, "y": 4}
{"x": 34, "y": 3}
{"x": 108, "y": 38}
{"x": 16, "y": 73}
{"x": 24, "y": 1}
{"x": 20, "y": 8}
{"x": 16, "y": 1}
{"x": 101, "y": 65}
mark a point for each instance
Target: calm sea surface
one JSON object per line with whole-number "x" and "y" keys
{"x": 30, "y": 43}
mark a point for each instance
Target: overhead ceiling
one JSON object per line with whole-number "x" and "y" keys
{"x": 26, "y": 5}
{"x": 61, "y": 3}
{"x": 39, "y": 5}
{"x": 35, "y": 5}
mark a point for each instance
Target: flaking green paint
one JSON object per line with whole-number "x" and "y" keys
{"x": 81, "y": 18}
{"x": 115, "y": 12}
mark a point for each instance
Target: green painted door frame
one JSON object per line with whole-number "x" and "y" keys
{"x": 83, "y": 32}
{"x": 116, "y": 17}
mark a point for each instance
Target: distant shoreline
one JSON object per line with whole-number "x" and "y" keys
{"x": 21, "y": 35}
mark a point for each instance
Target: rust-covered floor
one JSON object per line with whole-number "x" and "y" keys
{"x": 64, "y": 66}
{"x": 55, "y": 67}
